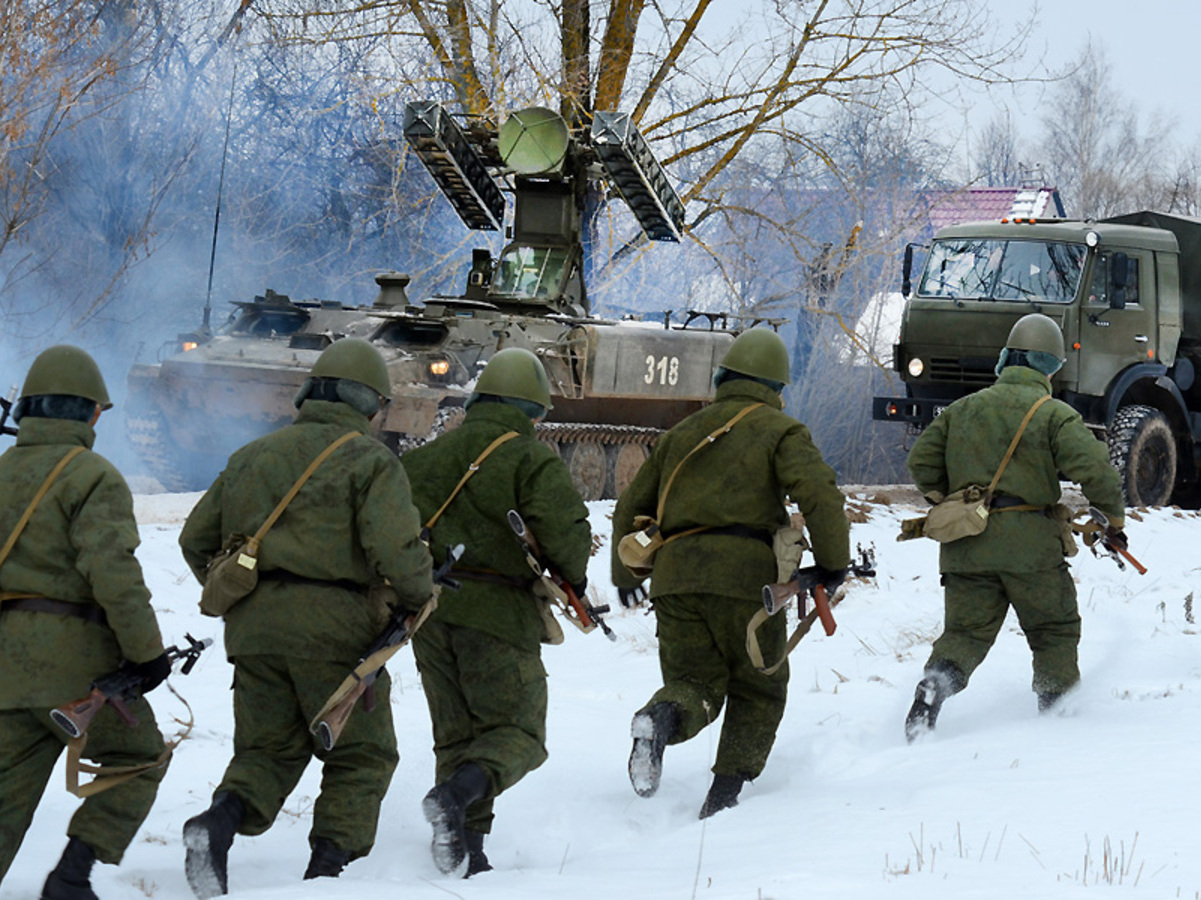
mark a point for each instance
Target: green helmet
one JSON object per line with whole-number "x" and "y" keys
{"x": 1037, "y": 332}
{"x": 516, "y": 373}
{"x": 354, "y": 359}
{"x": 64, "y": 369}
{"x": 760, "y": 353}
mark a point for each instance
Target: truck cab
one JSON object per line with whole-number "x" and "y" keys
{"x": 1116, "y": 288}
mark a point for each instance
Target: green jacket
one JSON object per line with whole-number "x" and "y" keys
{"x": 965, "y": 445}
{"x": 79, "y": 547}
{"x": 352, "y": 524}
{"x": 522, "y": 474}
{"x": 742, "y": 478}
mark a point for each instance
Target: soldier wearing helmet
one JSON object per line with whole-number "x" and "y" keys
{"x": 311, "y": 615}
{"x": 725, "y": 503}
{"x": 73, "y": 607}
{"x": 480, "y": 653}
{"x": 1019, "y": 559}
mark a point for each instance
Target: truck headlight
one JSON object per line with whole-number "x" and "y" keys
{"x": 916, "y": 367}
{"x": 439, "y": 367}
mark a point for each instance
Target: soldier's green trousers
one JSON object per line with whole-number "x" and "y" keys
{"x": 703, "y": 658}
{"x": 30, "y": 744}
{"x": 487, "y": 701}
{"x": 275, "y": 698}
{"x": 1045, "y": 604}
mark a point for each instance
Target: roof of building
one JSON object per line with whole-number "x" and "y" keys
{"x": 974, "y": 204}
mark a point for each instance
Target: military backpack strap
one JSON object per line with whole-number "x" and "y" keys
{"x": 252, "y": 544}
{"x": 28, "y": 514}
{"x": 1013, "y": 445}
{"x": 471, "y": 470}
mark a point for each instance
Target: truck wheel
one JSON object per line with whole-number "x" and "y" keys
{"x": 1143, "y": 450}
{"x": 586, "y": 462}
{"x": 624, "y": 462}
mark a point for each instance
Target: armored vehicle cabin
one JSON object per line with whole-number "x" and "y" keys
{"x": 1127, "y": 293}
{"x": 616, "y": 385}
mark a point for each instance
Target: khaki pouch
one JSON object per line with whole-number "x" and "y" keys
{"x": 962, "y": 514}
{"x": 790, "y": 545}
{"x": 1062, "y": 514}
{"x": 552, "y": 631}
{"x": 638, "y": 548}
{"x": 230, "y": 576}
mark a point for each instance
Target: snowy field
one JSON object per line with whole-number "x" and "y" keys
{"x": 998, "y": 803}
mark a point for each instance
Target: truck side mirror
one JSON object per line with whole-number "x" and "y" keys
{"x": 907, "y": 271}
{"x": 1119, "y": 275}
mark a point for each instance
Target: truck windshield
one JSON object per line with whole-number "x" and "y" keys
{"x": 1031, "y": 271}
{"x": 530, "y": 272}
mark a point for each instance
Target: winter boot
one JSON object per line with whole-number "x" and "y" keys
{"x": 942, "y": 679}
{"x": 723, "y": 794}
{"x": 476, "y": 860}
{"x": 445, "y": 808}
{"x": 71, "y": 878}
{"x": 207, "y": 838}
{"x": 1047, "y": 700}
{"x": 651, "y": 729}
{"x": 327, "y": 860}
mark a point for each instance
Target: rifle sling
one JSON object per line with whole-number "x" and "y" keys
{"x": 471, "y": 470}
{"x": 704, "y": 442}
{"x": 761, "y": 615}
{"x": 1013, "y": 445}
{"x": 37, "y": 498}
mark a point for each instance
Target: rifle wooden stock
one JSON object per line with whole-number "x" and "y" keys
{"x": 74, "y": 718}
{"x": 777, "y": 596}
{"x": 330, "y": 728}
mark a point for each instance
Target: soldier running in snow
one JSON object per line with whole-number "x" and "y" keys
{"x": 725, "y": 504}
{"x": 1018, "y": 560}
{"x": 73, "y": 607}
{"x": 480, "y": 653}
{"x": 305, "y": 624}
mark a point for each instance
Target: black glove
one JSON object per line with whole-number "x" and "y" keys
{"x": 581, "y": 587}
{"x": 1116, "y": 538}
{"x": 152, "y": 673}
{"x": 631, "y": 597}
{"x": 832, "y": 579}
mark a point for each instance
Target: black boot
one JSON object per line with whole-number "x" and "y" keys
{"x": 723, "y": 794}
{"x": 207, "y": 838}
{"x": 327, "y": 860}
{"x": 476, "y": 860}
{"x": 1048, "y": 699}
{"x": 651, "y": 730}
{"x": 445, "y": 808}
{"x": 942, "y": 679}
{"x": 71, "y": 878}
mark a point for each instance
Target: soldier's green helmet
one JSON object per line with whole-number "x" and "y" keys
{"x": 518, "y": 374}
{"x": 759, "y": 353}
{"x": 1037, "y": 332}
{"x": 69, "y": 371}
{"x": 354, "y": 359}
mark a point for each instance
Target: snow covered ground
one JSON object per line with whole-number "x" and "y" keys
{"x": 998, "y": 803}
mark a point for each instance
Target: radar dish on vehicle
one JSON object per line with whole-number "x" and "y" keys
{"x": 533, "y": 141}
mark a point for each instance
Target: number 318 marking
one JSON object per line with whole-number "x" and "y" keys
{"x": 664, "y": 369}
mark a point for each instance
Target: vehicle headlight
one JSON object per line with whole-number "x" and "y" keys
{"x": 439, "y": 367}
{"x": 916, "y": 367}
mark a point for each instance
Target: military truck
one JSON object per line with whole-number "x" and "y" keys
{"x": 617, "y": 384}
{"x": 1127, "y": 293}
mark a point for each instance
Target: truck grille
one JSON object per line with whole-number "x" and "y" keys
{"x": 963, "y": 370}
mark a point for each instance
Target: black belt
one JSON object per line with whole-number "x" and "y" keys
{"x": 284, "y": 575}
{"x": 89, "y": 612}
{"x": 742, "y": 531}
{"x": 490, "y": 577}
{"x": 1006, "y": 502}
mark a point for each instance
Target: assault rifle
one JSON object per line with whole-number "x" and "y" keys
{"x": 6, "y": 408}
{"x": 328, "y": 724}
{"x": 1109, "y": 547}
{"x": 806, "y": 582}
{"x": 577, "y": 609}
{"x": 118, "y": 689}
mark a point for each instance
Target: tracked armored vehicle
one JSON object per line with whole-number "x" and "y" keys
{"x": 616, "y": 385}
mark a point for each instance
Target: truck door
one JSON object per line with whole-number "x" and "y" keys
{"x": 1113, "y": 339}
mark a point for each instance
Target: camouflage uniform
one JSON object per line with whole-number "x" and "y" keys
{"x": 1019, "y": 559}
{"x": 706, "y": 587}
{"x": 78, "y": 547}
{"x": 480, "y": 653}
{"x": 303, "y": 628}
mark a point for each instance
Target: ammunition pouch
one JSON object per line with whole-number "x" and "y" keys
{"x": 962, "y": 514}
{"x": 230, "y": 576}
{"x": 638, "y": 548}
{"x": 789, "y": 544}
